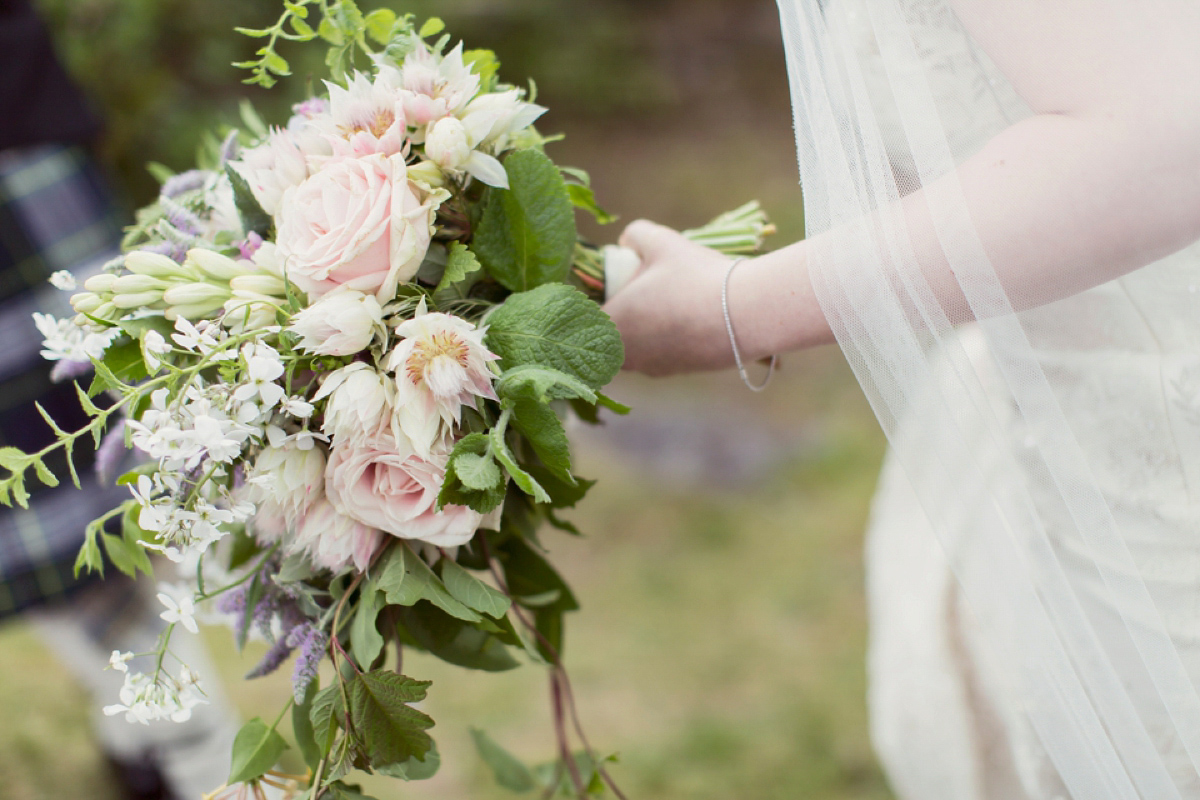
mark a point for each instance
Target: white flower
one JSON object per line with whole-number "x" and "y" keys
{"x": 433, "y": 88}
{"x": 63, "y": 280}
{"x": 145, "y": 700}
{"x": 120, "y": 661}
{"x": 66, "y": 341}
{"x": 365, "y": 117}
{"x": 263, "y": 366}
{"x": 441, "y": 365}
{"x": 283, "y": 482}
{"x": 360, "y": 404}
{"x": 297, "y": 407}
{"x": 341, "y": 323}
{"x": 153, "y": 346}
{"x": 182, "y": 611}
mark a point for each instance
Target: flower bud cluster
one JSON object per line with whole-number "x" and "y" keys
{"x": 145, "y": 699}
{"x": 197, "y": 288}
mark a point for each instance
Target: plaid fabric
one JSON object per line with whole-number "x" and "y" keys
{"x": 54, "y": 214}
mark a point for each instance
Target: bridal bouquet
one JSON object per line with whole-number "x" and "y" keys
{"x": 344, "y": 348}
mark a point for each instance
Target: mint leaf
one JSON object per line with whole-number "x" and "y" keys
{"x": 542, "y": 427}
{"x": 520, "y": 477}
{"x": 558, "y": 327}
{"x": 390, "y": 730}
{"x": 542, "y": 384}
{"x": 256, "y": 748}
{"x": 406, "y": 580}
{"x": 527, "y": 234}
{"x": 510, "y": 773}
{"x": 472, "y": 592}
{"x": 326, "y": 715}
{"x": 460, "y": 263}
{"x": 455, "y": 490}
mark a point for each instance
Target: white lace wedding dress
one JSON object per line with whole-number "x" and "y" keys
{"x": 1120, "y": 372}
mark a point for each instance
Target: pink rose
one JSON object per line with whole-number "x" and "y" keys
{"x": 359, "y": 223}
{"x": 383, "y": 484}
{"x": 333, "y": 540}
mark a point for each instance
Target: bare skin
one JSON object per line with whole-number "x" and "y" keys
{"x": 1104, "y": 178}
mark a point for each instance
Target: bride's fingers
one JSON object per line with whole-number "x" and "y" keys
{"x": 648, "y": 239}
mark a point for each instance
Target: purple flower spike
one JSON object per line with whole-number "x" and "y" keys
{"x": 111, "y": 451}
{"x": 184, "y": 182}
{"x": 66, "y": 369}
{"x": 312, "y": 650}
{"x": 229, "y": 149}
{"x": 271, "y": 661}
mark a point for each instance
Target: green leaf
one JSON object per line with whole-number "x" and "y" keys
{"x": 509, "y": 771}
{"x": 344, "y": 791}
{"x": 43, "y": 472}
{"x": 119, "y": 554}
{"x": 563, "y": 494}
{"x": 612, "y": 405}
{"x": 478, "y": 473}
{"x": 249, "y": 209}
{"x": 406, "y": 580}
{"x": 454, "y": 641}
{"x": 390, "y": 730}
{"x": 122, "y": 365}
{"x": 89, "y": 557}
{"x": 556, "y": 326}
{"x": 583, "y": 197}
{"x": 302, "y": 727}
{"x": 542, "y": 384}
{"x": 365, "y": 642}
{"x": 520, "y": 477}
{"x": 302, "y": 28}
{"x": 379, "y": 24}
{"x": 415, "y": 769}
{"x": 276, "y": 63}
{"x": 134, "y": 535}
{"x": 330, "y": 33}
{"x": 455, "y": 492}
{"x": 544, "y": 430}
{"x": 326, "y": 715}
{"x": 472, "y": 592}
{"x": 256, "y": 748}
{"x": 431, "y": 27}
{"x": 527, "y": 236}
{"x": 460, "y": 263}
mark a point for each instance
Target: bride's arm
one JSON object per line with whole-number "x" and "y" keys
{"x": 1103, "y": 179}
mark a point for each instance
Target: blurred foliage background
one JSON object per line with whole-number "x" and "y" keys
{"x": 720, "y": 647}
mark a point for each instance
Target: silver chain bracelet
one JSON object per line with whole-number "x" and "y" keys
{"x": 737, "y": 355}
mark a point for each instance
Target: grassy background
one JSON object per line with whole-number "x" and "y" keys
{"x": 720, "y": 645}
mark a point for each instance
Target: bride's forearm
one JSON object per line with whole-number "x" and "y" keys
{"x": 1059, "y": 204}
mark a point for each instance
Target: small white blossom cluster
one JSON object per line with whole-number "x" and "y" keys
{"x": 64, "y": 340}
{"x": 145, "y": 699}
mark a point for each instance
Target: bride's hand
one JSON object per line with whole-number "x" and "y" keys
{"x": 669, "y": 313}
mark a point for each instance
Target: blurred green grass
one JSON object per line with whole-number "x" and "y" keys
{"x": 720, "y": 649}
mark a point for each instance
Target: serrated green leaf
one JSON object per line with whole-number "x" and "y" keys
{"x": 14, "y": 459}
{"x": 556, "y": 326}
{"x": 406, "y": 580}
{"x": 365, "y": 642}
{"x": 527, "y": 235}
{"x": 520, "y": 477}
{"x": 89, "y": 557}
{"x": 478, "y": 473}
{"x": 326, "y": 715}
{"x": 510, "y": 773}
{"x": 276, "y": 63}
{"x": 583, "y": 197}
{"x": 542, "y": 384}
{"x": 472, "y": 592}
{"x": 390, "y": 730}
{"x": 454, "y": 492}
{"x": 415, "y": 769}
{"x": 44, "y": 474}
{"x": 251, "y": 212}
{"x": 379, "y": 24}
{"x": 256, "y": 748}
{"x": 460, "y": 263}
{"x": 544, "y": 430}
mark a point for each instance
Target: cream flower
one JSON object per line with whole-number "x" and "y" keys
{"x": 361, "y": 402}
{"x": 384, "y": 484}
{"x": 433, "y": 88}
{"x": 333, "y": 540}
{"x": 441, "y": 365}
{"x": 282, "y": 484}
{"x": 341, "y": 323}
{"x": 364, "y": 117}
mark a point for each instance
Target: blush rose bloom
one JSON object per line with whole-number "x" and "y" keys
{"x": 334, "y": 541}
{"x": 359, "y": 223}
{"x": 382, "y": 483}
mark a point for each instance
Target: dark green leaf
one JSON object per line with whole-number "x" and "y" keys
{"x": 252, "y": 214}
{"x": 326, "y": 715}
{"x": 345, "y": 791}
{"x": 455, "y": 492}
{"x": 255, "y": 750}
{"x": 391, "y": 731}
{"x": 558, "y": 327}
{"x": 542, "y": 427}
{"x": 134, "y": 535}
{"x": 509, "y": 771}
{"x": 454, "y": 641}
{"x": 302, "y": 727}
{"x": 473, "y": 592}
{"x": 520, "y": 477}
{"x": 562, "y": 494}
{"x": 415, "y": 769}
{"x": 527, "y": 234}
{"x": 583, "y": 197}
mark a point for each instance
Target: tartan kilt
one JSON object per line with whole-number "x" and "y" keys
{"x": 55, "y": 214}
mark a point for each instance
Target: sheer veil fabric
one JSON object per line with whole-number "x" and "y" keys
{"x": 1034, "y": 554}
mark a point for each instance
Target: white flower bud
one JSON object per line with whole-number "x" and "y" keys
{"x": 136, "y": 299}
{"x": 427, "y": 173}
{"x": 268, "y": 285}
{"x": 446, "y": 143}
{"x": 196, "y": 293}
{"x": 214, "y": 264}
{"x": 86, "y": 302}
{"x": 339, "y": 324}
{"x": 130, "y": 284}
{"x": 100, "y": 283}
{"x": 155, "y": 265}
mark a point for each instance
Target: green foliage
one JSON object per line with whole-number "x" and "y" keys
{"x": 472, "y": 592}
{"x": 302, "y": 727}
{"x": 256, "y": 748}
{"x": 510, "y": 773}
{"x": 405, "y": 580}
{"x": 249, "y": 209}
{"x": 365, "y": 642}
{"x": 455, "y": 641}
{"x": 460, "y": 263}
{"x": 527, "y": 235}
{"x": 558, "y": 327}
{"x": 390, "y": 730}
{"x": 483, "y": 488}
{"x": 328, "y": 709}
